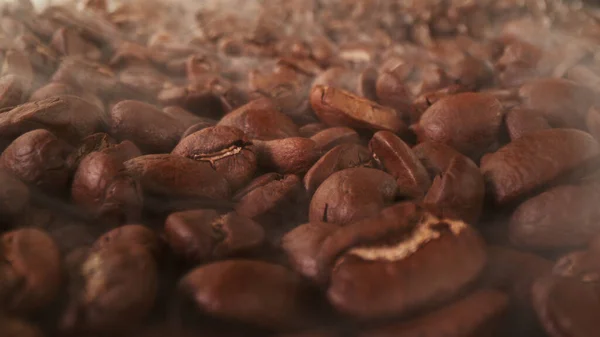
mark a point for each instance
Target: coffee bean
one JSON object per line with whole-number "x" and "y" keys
{"x": 31, "y": 270}
{"x": 17, "y": 63}
{"x": 226, "y": 149}
{"x": 559, "y": 218}
{"x": 12, "y": 91}
{"x": 88, "y": 75}
{"x": 361, "y": 83}
{"x": 329, "y": 138}
{"x": 534, "y": 161}
{"x": 204, "y": 235}
{"x": 479, "y": 312}
{"x": 352, "y": 194}
{"x": 311, "y": 129}
{"x": 336, "y": 107}
{"x": 260, "y": 119}
{"x": 145, "y": 80}
{"x": 337, "y": 159}
{"x": 435, "y": 156}
{"x": 69, "y": 42}
{"x": 396, "y": 158}
{"x": 523, "y": 121}
{"x": 38, "y": 158}
{"x": 205, "y": 123}
{"x": 131, "y": 235}
{"x": 53, "y": 89}
{"x": 458, "y": 192}
{"x": 468, "y": 122}
{"x": 93, "y": 143}
{"x": 15, "y": 327}
{"x": 14, "y": 194}
{"x": 287, "y": 156}
{"x": 272, "y": 296}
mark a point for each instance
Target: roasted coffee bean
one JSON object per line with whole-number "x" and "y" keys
{"x": 30, "y": 273}
{"x": 102, "y": 187}
{"x": 88, "y": 75}
{"x": 14, "y": 194}
{"x": 69, "y": 42}
{"x": 566, "y": 300}
{"x": 396, "y": 158}
{"x": 226, "y": 149}
{"x": 521, "y": 121}
{"x": 119, "y": 285}
{"x": 272, "y": 296}
{"x": 562, "y": 102}
{"x": 130, "y": 235}
{"x": 144, "y": 80}
{"x": 352, "y": 194}
{"x": 183, "y": 115}
{"x": 153, "y": 130}
{"x": 468, "y": 122}
{"x": 361, "y": 83}
{"x": 13, "y": 91}
{"x": 535, "y": 160}
{"x": 560, "y": 218}
{"x": 293, "y": 155}
{"x": 271, "y": 199}
{"x": 17, "y": 63}
{"x": 93, "y": 143}
{"x": 312, "y": 129}
{"x": 336, "y": 107}
{"x": 15, "y": 327}
{"x": 39, "y": 158}
{"x": 205, "y": 123}
{"x": 390, "y": 88}
{"x": 260, "y": 119}
{"x": 372, "y": 261}
{"x": 204, "y": 235}
{"x": 479, "y": 313}
{"x": 339, "y": 158}
{"x": 53, "y": 89}
{"x": 329, "y": 138}
{"x": 43, "y": 58}
{"x": 175, "y": 177}
{"x": 458, "y": 192}
{"x": 592, "y": 122}
{"x": 435, "y": 156}
{"x": 70, "y": 118}
{"x": 302, "y": 246}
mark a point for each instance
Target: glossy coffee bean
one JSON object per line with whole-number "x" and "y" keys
{"x": 468, "y": 122}
{"x": 352, "y": 194}
{"x": 435, "y": 156}
{"x": 93, "y": 143}
{"x": 287, "y": 156}
{"x": 205, "y": 235}
{"x": 226, "y": 149}
{"x": 336, "y": 107}
{"x": 271, "y": 296}
{"x": 396, "y": 158}
{"x": 38, "y": 158}
{"x": 31, "y": 270}
{"x": 535, "y": 160}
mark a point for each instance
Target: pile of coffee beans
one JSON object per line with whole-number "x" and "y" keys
{"x": 300, "y": 168}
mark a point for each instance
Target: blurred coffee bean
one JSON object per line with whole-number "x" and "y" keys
{"x": 435, "y": 156}
{"x": 226, "y": 149}
{"x": 468, "y": 122}
{"x": 14, "y": 194}
{"x": 293, "y": 155}
{"x": 93, "y": 143}
{"x": 15, "y": 327}
{"x": 38, "y": 158}
{"x": 31, "y": 270}
{"x": 395, "y": 157}
{"x": 13, "y": 91}
{"x": 69, "y": 42}
{"x": 53, "y": 89}
{"x": 204, "y": 235}
{"x": 352, "y": 194}
{"x": 329, "y": 138}
{"x": 523, "y": 121}
{"x": 535, "y": 160}
{"x": 309, "y": 130}
{"x": 205, "y": 123}
{"x": 592, "y": 122}
{"x": 131, "y": 235}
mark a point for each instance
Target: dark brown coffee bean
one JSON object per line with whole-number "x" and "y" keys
{"x": 272, "y": 296}
{"x": 53, "y": 89}
{"x": 184, "y": 116}
{"x": 468, "y": 122}
{"x": 174, "y": 177}
{"x": 477, "y": 314}
{"x": 336, "y": 107}
{"x": 260, "y": 119}
{"x": 436, "y": 157}
{"x": 521, "y": 121}
{"x": 360, "y": 83}
{"x": 13, "y": 91}
{"x": 329, "y": 138}
{"x": 563, "y": 217}
{"x": 39, "y": 158}
{"x": 339, "y": 158}
{"x": 14, "y": 194}
{"x": 43, "y": 58}
{"x": 205, "y": 123}
{"x": 564, "y": 103}
{"x": 119, "y": 289}
{"x": 293, "y": 155}
{"x": 534, "y": 160}
{"x": 302, "y": 246}
{"x": 390, "y": 88}
{"x": 102, "y": 187}
{"x": 374, "y": 275}
{"x": 396, "y": 158}
{"x": 93, "y": 143}
{"x": 131, "y": 235}
{"x": 30, "y": 273}
{"x": 592, "y": 122}
{"x": 472, "y": 73}
{"x": 311, "y": 129}
{"x": 352, "y": 194}
{"x": 204, "y": 235}
{"x": 69, "y": 42}
{"x": 458, "y": 192}
{"x": 153, "y": 130}
{"x": 270, "y": 199}
{"x": 226, "y": 149}
{"x": 14, "y": 327}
